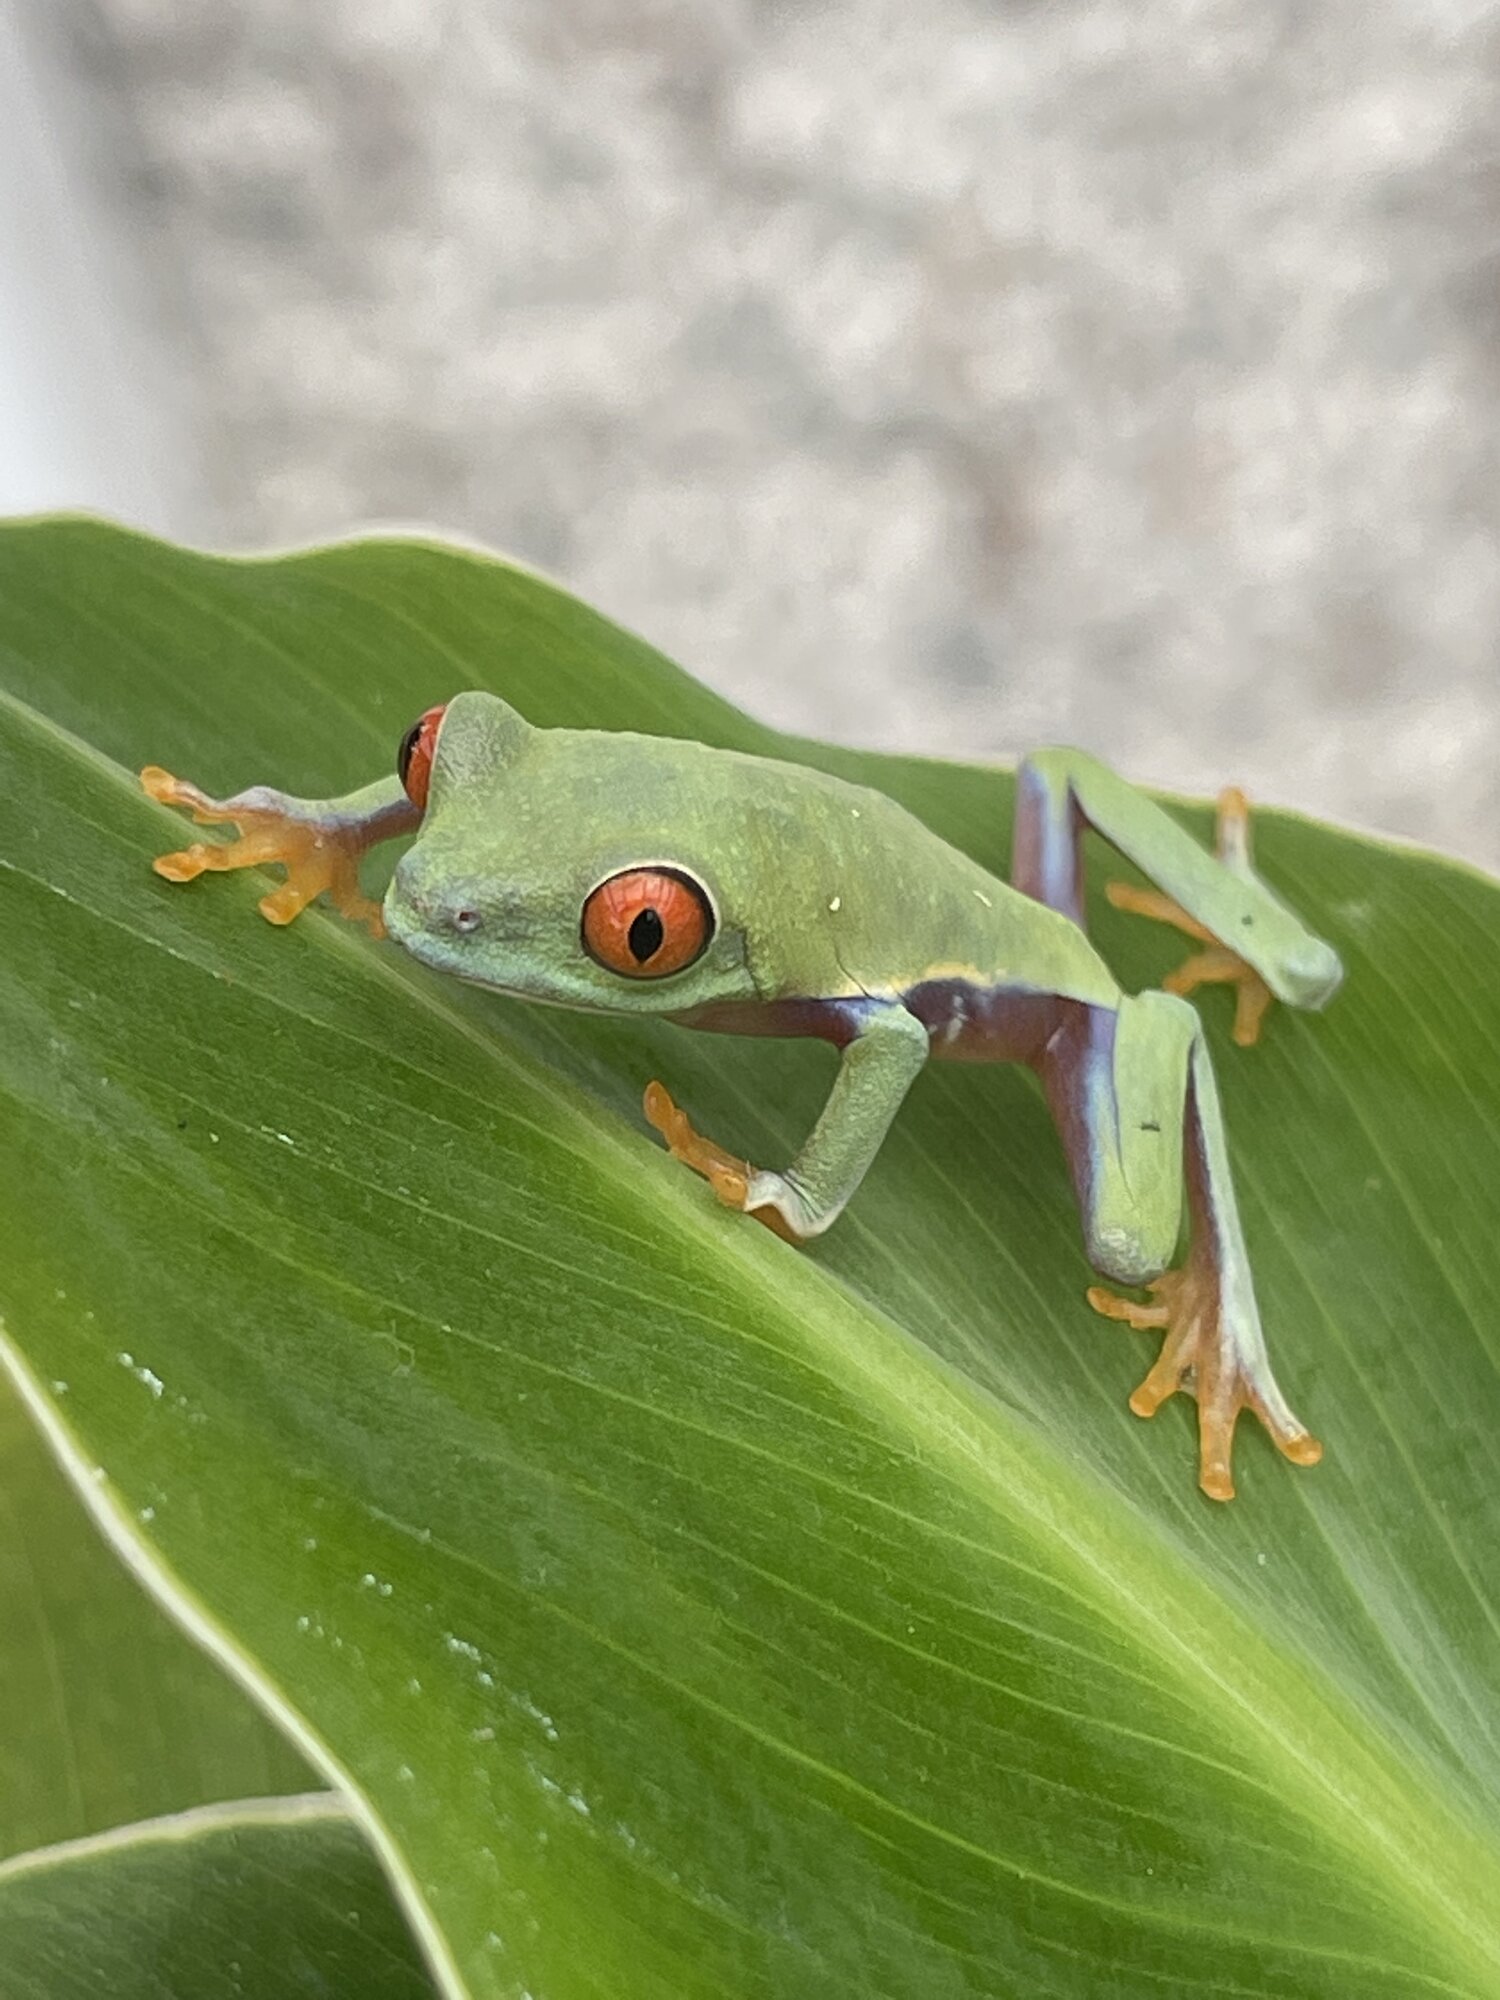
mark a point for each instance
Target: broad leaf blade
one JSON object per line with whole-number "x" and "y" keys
{"x": 256, "y": 1900}
{"x": 107, "y": 1713}
{"x": 692, "y": 1615}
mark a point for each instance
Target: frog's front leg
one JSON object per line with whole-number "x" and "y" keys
{"x": 877, "y": 1070}
{"x": 319, "y": 842}
{"x": 1135, "y": 1100}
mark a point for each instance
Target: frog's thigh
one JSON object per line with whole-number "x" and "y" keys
{"x": 1117, "y": 1083}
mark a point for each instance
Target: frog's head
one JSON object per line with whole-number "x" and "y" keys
{"x": 573, "y": 866}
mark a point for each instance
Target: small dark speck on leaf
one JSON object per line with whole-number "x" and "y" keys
{"x": 1150, "y": 1125}
{"x": 182, "y": 1124}
{"x": 1247, "y": 920}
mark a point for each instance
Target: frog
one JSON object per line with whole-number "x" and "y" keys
{"x": 636, "y": 875}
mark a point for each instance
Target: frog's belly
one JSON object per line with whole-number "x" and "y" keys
{"x": 969, "y": 1023}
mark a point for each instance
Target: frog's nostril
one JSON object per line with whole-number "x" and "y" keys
{"x": 421, "y": 895}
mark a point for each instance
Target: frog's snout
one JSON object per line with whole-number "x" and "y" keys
{"x": 417, "y": 905}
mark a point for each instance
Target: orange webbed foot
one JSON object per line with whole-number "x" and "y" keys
{"x": 1198, "y": 1357}
{"x": 1218, "y": 964}
{"x": 726, "y": 1174}
{"x": 320, "y": 856}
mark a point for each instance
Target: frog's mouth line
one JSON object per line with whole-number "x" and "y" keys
{"x": 451, "y": 959}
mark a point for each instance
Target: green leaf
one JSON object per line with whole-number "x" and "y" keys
{"x": 264, "y": 1899}
{"x": 687, "y": 1614}
{"x": 107, "y": 1713}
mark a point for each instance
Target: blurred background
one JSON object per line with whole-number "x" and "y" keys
{"x": 953, "y": 377}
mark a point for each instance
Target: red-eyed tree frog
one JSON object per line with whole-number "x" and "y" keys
{"x": 633, "y": 874}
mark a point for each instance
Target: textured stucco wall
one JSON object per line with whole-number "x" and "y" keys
{"x": 953, "y": 376}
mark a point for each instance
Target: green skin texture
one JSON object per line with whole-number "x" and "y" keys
{"x": 522, "y": 824}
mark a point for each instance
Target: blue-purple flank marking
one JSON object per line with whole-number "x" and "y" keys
{"x": 966, "y": 1023}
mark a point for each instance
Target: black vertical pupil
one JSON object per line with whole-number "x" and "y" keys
{"x": 646, "y": 935}
{"x": 405, "y": 753}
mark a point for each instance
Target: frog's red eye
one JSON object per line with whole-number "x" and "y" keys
{"x": 414, "y": 758}
{"x": 647, "y": 922}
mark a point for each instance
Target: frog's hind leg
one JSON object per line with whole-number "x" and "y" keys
{"x": 1252, "y": 938}
{"x": 1216, "y": 964}
{"x": 1135, "y": 1101}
